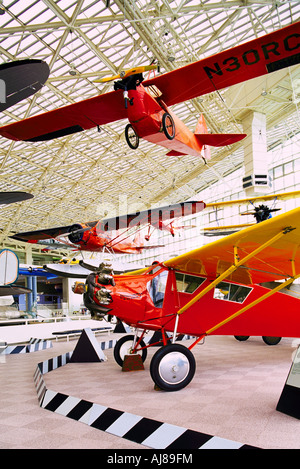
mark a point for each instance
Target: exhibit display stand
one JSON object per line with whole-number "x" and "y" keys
{"x": 87, "y": 349}
{"x": 289, "y": 402}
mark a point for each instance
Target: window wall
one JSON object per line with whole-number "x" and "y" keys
{"x": 284, "y": 172}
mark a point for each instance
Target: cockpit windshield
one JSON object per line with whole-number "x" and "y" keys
{"x": 157, "y": 288}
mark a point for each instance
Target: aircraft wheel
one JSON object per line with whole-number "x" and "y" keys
{"x": 124, "y": 347}
{"x": 132, "y": 137}
{"x": 168, "y": 126}
{"x": 241, "y": 338}
{"x": 271, "y": 340}
{"x": 172, "y": 367}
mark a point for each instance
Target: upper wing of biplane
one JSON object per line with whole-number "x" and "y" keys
{"x": 261, "y": 212}
{"x": 49, "y": 233}
{"x": 255, "y": 58}
{"x": 153, "y": 216}
{"x": 265, "y": 252}
{"x": 257, "y": 198}
{"x": 157, "y": 217}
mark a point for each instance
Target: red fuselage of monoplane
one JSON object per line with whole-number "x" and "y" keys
{"x": 150, "y": 301}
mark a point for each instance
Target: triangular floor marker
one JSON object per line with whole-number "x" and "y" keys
{"x": 119, "y": 327}
{"x": 88, "y": 348}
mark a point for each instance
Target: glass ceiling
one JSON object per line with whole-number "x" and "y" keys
{"x": 81, "y": 177}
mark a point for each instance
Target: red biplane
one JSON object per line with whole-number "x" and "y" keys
{"x": 113, "y": 234}
{"x": 146, "y": 103}
{"x": 238, "y": 285}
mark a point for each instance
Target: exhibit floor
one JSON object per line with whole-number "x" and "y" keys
{"x": 233, "y": 395}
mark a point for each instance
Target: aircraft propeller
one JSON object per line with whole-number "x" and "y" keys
{"x": 261, "y": 213}
{"x": 127, "y": 73}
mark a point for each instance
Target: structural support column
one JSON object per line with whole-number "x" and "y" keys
{"x": 256, "y": 179}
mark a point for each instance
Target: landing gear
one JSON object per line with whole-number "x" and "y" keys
{"x": 172, "y": 367}
{"x": 168, "y": 126}
{"x": 241, "y": 338}
{"x": 271, "y": 340}
{"x": 267, "y": 339}
{"x": 125, "y": 345}
{"x": 132, "y": 137}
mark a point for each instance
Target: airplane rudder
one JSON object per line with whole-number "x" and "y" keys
{"x": 201, "y": 127}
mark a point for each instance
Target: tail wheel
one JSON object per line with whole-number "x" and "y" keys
{"x": 168, "y": 126}
{"x": 172, "y": 367}
{"x": 271, "y": 340}
{"x": 132, "y": 137}
{"x": 124, "y": 347}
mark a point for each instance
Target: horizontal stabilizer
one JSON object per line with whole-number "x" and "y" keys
{"x": 175, "y": 153}
{"x": 219, "y": 140}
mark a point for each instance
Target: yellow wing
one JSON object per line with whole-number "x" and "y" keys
{"x": 264, "y": 252}
{"x": 281, "y": 196}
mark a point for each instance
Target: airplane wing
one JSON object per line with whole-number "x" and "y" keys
{"x": 21, "y": 79}
{"x": 278, "y": 240}
{"x": 13, "y": 290}
{"x": 13, "y": 197}
{"x": 260, "y": 56}
{"x": 257, "y": 198}
{"x": 48, "y": 233}
{"x": 255, "y": 58}
{"x": 153, "y": 216}
{"x": 70, "y": 119}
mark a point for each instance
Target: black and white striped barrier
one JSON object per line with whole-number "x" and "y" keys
{"x": 35, "y": 345}
{"x": 147, "y": 432}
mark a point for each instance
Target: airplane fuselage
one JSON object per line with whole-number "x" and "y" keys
{"x": 145, "y": 113}
{"x": 150, "y": 301}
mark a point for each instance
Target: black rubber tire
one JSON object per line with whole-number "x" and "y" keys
{"x": 271, "y": 340}
{"x": 120, "y": 348}
{"x": 133, "y": 139}
{"x": 242, "y": 338}
{"x": 163, "y": 371}
{"x": 168, "y": 126}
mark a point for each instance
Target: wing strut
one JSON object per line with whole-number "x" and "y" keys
{"x": 237, "y": 263}
{"x": 255, "y": 302}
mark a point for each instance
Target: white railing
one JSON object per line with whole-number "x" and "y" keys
{"x": 50, "y": 319}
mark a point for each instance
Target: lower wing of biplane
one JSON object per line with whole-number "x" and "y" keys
{"x": 93, "y": 236}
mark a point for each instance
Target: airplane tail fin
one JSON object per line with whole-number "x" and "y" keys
{"x": 200, "y": 132}
{"x": 201, "y": 127}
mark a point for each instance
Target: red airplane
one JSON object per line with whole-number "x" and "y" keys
{"x": 147, "y": 104}
{"x": 234, "y": 286}
{"x": 120, "y": 234}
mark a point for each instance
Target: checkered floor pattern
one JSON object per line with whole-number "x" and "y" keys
{"x": 232, "y": 398}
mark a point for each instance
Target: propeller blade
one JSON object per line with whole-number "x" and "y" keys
{"x": 127, "y": 73}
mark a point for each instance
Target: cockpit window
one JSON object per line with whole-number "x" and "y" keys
{"x": 231, "y": 292}
{"x": 187, "y": 283}
{"x": 157, "y": 287}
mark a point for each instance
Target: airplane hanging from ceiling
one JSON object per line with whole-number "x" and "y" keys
{"x": 259, "y": 212}
{"x": 121, "y": 234}
{"x": 215, "y": 289}
{"x": 21, "y": 79}
{"x": 13, "y": 197}
{"x": 145, "y": 103}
